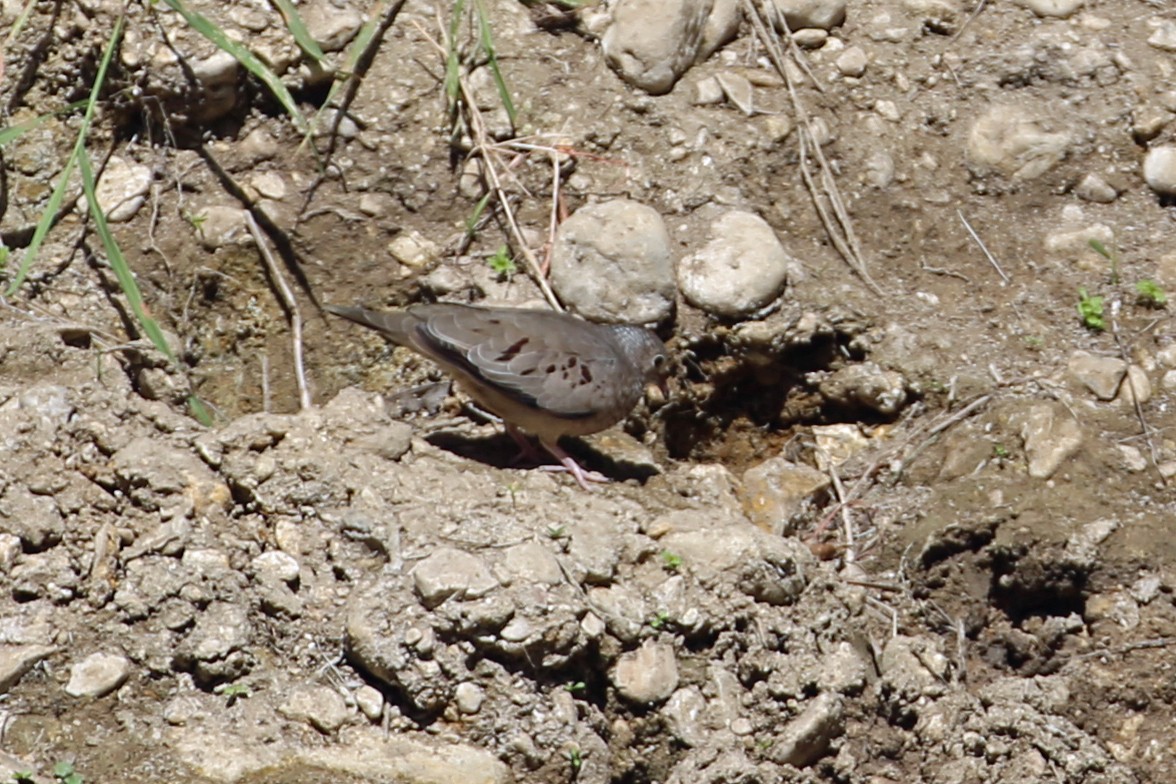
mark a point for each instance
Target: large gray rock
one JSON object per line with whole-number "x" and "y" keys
{"x": 651, "y": 43}
{"x": 742, "y": 267}
{"x": 612, "y": 262}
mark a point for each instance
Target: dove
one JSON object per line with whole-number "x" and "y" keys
{"x": 545, "y": 373}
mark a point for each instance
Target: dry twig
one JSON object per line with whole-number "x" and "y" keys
{"x": 826, "y": 197}
{"x": 289, "y": 302}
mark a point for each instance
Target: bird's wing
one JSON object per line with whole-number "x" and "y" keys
{"x": 562, "y": 365}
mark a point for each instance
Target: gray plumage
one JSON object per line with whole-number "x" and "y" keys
{"x": 548, "y": 373}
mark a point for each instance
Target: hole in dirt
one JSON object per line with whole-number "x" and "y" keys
{"x": 1029, "y": 583}
{"x": 76, "y": 337}
{"x": 741, "y": 404}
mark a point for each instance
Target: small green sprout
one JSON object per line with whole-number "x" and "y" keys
{"x": 1090, "y": 310}
{"x": 64, "y": 773}
{"x": 233, "y": 692}
{"x": 575, "y": 688}
{"x": 556, "y": 532}
{"x": 1000, "y": 451}
{"x": 671, "y": 562}
{"x": 197, "y": 221}
{"x": 1149, "y": 294}
{"x": 661, "y": 620}
{"x": 575, "y": 759}
{"x": 502, "y": 264}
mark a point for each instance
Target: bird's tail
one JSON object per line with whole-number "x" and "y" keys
{"x": 394, "y": 325}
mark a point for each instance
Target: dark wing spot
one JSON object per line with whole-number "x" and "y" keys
{"x": 513, "y": 350}
{"x": 572, "y": 361}
{"x": 585, "y": 374}
{"x": 549, "y": 369}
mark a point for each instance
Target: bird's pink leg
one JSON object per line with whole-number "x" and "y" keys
{"x": 571, "y": 466}
{"x": 527, "y": 450}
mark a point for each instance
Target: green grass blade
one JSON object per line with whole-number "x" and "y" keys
{"x": 58, "y": 195}
{"x": 14, "y": 132}
{"x": 298, "y": 29}
{"x": 476, "y": 215}
{"x": 358, "y": 46}
{"x": 452, "y": 57}
{"x": 206, "y": 28}
{"x": 20, "y": 23}
{"x": 118, "y": 262}
{"x": 199, "y": 411}
{"x": 487, "y": 43}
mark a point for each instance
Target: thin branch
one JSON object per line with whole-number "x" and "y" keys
{"x": 291, "y": 305}
{"x": 991, "y": 259}
{"x": 827, "y": 197}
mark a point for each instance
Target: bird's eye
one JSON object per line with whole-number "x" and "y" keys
{"x": 659, "y": 361}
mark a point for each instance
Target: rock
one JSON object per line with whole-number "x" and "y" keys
{"x": 776, "y": 489}
{"x": 651, "y": 43}
{"x": 275, "y": 566}
{"x": 390, "y": 636}
{"x": 1094, "y": 188}
{"x": 913, "y": 669}
{"x": 722, "y": 25}
{"x": 1136, "y": 386}
{"x": 16, "y": 660}
{"x": 1058, "y": 9}
{"x": 449, "y": 572}
{"x": 1101, "y": 375}
{"x": 33, "y": 518}
{"x": 1071, "y": 241}
{"x": 825, "y": 14}
{"x": 767, "y": 568}
{"x": 707, "y": 91}
{"x": 123, "y": 188}
{"x": 215, "y": 648}
{"x": 157, "y": 475}
{"x": 1159, "y": 169}
{"x": 1007, "y": 141}
{"x": 319, "y": 706}
{"x": 684, "y": 713}
{"x": 369, "y": 756}
{"x": 806, "y": 739}
{"x": 838, "y": 443}
{"x": 738, "y": 90}
{"x": 852, "y": 62}
{"x": 648, "y": 675}
{"x": 413, "y": 249}
{"x": 810, "y": 37}
{"x": 47, "y": 575}
{"x": 370, "y": 702}
{"x": 623, "y": 610}
{"x": 1051, "y": 436}
{"x": 531, "y": 562}
{"x": 332, "y": 25}
{"x": 1164, "y": 38}
{"x": 468, "y": 697}
{"x": 97, "y": 675}
{"x": 742, "y": 267}
{"x": 218, "y": 226}
{"x": 612, "y": 262}
{"x": 866, "y": 384}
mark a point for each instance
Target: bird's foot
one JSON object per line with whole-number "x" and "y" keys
{"x": 568, "y": 464}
